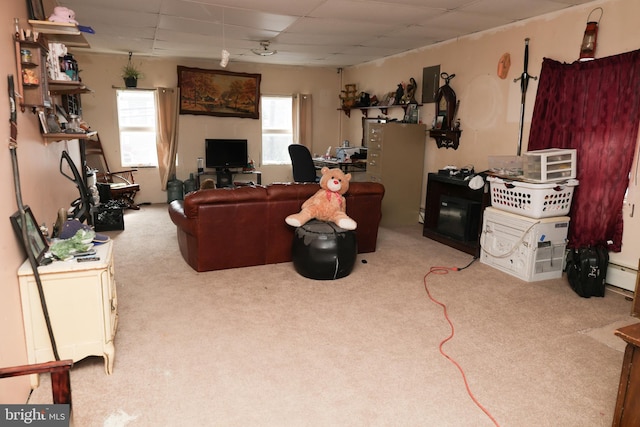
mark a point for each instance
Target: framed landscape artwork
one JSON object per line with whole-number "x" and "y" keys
{"x": 218, "y": 93}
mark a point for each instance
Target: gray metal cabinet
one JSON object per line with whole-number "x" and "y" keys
{"x": 395, "y": 158}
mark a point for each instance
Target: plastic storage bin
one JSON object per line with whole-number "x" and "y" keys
{"x": 553, "y": 164}
{"x": 527, "y": 248}
{"x": 509, "y": 166}
{"x": 530, "y": 199}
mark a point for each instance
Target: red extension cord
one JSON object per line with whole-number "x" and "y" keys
{"x": 446, "y": 270}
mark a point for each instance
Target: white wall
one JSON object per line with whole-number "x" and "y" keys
{"x": 102, "y": 72}
{"x": 42, "y": 187}
{"x": 489, "y": 106}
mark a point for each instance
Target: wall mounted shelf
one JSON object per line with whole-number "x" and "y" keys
{"x": 446, "y": 138}
{"x": 383, "y": 109}
{"x": 60, "y": 136}
{"x": 60, "y": 32}
{"x": 67, "y": 87}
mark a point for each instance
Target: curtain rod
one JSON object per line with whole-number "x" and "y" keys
{"x": 166, "y": 89}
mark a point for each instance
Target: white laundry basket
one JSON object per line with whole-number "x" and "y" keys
{"x": 532, "y": 200}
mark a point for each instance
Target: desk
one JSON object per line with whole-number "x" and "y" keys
{"x": 350, "y": 166}
{"x": 212, "y": 174}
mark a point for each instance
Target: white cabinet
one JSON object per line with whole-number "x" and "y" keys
{"x": 395, "y": 158}
{"x": 528, "y": 248}
{"x": 82, "y": 304}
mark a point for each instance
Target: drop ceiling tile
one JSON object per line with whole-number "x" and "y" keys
{"x": 315, "y": 31}
{"x": 373, "y": 12}
{"x": 465, "y": 23}
{"x": 512, "y": 10}
{"x": 398, "y": 43}
{"x": 284, "y": 7}
{"x": 113, "y": 16}
{"x": 305, "y": 39}
{"x": 434, "y": 4}
{"x": 192, "y": 10}
{"x": 104, "y": 31}
{"x": 427, "y": 33}
{"x": 152, "y": 6}
{"x": 371, "y": 51}
{"x": 337, "y": 26}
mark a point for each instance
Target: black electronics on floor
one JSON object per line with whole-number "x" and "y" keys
{"x": 458, "y": 218}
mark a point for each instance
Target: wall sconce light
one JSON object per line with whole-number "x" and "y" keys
{"x": 590, "y": 38}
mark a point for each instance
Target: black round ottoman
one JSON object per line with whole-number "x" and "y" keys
{"x": 323, "y": 251}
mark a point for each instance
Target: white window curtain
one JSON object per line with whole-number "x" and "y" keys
{"x": 302, "y": 119}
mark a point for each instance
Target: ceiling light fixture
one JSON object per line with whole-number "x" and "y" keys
{"x": 264, "y": 50}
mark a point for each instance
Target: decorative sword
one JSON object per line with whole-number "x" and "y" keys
{"x": 13, "y": 147}
{"x": 524, "y": 84}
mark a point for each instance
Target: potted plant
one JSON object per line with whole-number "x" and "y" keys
{"x": 130, "y": 73}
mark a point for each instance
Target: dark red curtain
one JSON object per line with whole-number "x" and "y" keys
{"x": 593, "y": 107}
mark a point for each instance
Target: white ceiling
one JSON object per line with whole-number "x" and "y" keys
{"x": 335, "y": 33}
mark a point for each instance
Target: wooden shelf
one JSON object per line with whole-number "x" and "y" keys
{"x": 446, "y": 138}
{"x": 383, "y": 109}
{"x": 60, "y": 32}
{"x": 67, "y": 87}
{"x": 52, "y": 137}
{"x": 48, "y": 27}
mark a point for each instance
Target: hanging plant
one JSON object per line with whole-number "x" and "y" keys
{"x": 131, "y": 74}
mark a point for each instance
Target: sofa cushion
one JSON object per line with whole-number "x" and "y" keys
{"x": 222, "y": 196}
{"x": 284, "y": 199}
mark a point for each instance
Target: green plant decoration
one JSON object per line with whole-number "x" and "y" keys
{"x": 130, "y": 73}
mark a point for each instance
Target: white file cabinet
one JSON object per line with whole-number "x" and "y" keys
{"x": 82, "y": 304}
{"x": 528, "y": 248}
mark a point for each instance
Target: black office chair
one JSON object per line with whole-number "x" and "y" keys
{"x": 303, "y": 168}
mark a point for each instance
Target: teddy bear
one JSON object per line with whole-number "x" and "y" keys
{"x": 63, "y": 14}
{"x": 328, "y": 203}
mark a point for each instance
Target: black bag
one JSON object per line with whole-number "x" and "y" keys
{"x": 587, "y": 270}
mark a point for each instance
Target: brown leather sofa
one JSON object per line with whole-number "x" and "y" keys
{"x": 239, "y": 227}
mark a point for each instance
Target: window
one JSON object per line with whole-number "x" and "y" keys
{"x": 277, "y": 129}
{"x": 137, "y": 125}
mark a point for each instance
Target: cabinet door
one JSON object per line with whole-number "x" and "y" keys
{"x": 74, "y": 303}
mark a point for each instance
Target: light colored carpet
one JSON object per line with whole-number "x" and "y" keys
{"x": 263, "y": 346}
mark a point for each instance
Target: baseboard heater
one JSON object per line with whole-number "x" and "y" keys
{"x": 622, "y": 277}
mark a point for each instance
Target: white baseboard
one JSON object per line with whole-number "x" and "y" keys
{"x": 622, "y": 277}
